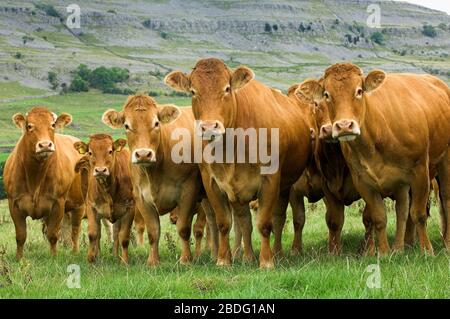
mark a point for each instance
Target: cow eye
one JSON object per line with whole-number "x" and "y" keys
{"x": 359, "y": 92}
{"x": 127, "y": 127}
{"x": 110, "y": 152}
{"x": 192, "y": 92}
{"x": 29, "y": 126}
{"x": 228, "y": 89}
{"x": 326, "y": 95}
{"x": 53, "y": 125}
{"x": 90, "y": 153}
{"x": 156, "y": 124}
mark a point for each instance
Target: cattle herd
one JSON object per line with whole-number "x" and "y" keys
{"x": 342, "y": 137}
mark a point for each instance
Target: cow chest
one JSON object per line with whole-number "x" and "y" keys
{"x": 35, "y": 206}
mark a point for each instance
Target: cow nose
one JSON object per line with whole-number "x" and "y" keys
{"x": 143, "y": 155}
{"x": 45, "y": 146}
{"x": 211, "y": 128}
{"x": 325, "y": 131}
{"x": 101, "y": 171}
{"x": 345, "y": 127}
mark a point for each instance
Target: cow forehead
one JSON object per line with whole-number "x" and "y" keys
{"x": 342, "y": 75}
{"x": 139, "y": 105}
{"x": 39, "y": 115}
{"x": 209, "y": 73}
{"x": 100, "y": 143}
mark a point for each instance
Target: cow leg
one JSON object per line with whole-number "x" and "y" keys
{"x": 278, "y": 221}
{"x": 368, "y": 246}
{"x": 139, "y": 225}
{"x": 116, "y": 230}
{"x": 76, "y": 216}
{"x": 151, "y": 219}
{"x": 20, "y": 225}
{"x": 268, "y": 197}
{"x": 65, "y": 237}
{"x": 93, "y": 233}
{"x": 410, "y": 232}
{"x": 126, "y": 222}
{"x": 54, "y": 220}
{"x": 420, "y": 187}
{"x": 199, "y": 229}
{"x": 402, "y": 212}
{"x": 334, "y": 218}
{"x": 222, "y": 212}
{"x": 237, "y": 249}
{"x": 211, "y": 230}
{"x": 444, "y": 196}
{"x": 243, "y": 217}
{"x": 298, "y": 219}
{"x": 108, "y": 229}
{"x": 184, "y": 224}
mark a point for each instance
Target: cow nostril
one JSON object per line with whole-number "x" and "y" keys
{"x": 149, "y": 154}
{"x": 216, "y": 125}
{"x": 350, "y": 126}
{"x": 137, "y": 155}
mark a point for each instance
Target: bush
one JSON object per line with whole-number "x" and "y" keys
{"x": 18, "y": 55}
{"x": 79, "y": 85}
{"x": 429, "y": 31}
{"x": 83, "y": 72}
{"x": 2, "y": 186}
{"x": 48, "y": 9}
{"x": 147, "y": 23}
{"x": 442, "y": 26}
{"x": 53, "y": 80}
{"x": 267, "y": 28}
{"x": 377, "y": 37}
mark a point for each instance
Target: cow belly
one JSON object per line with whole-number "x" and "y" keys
{"x": 239, "y": 190}
{"x": 35, "y": 210}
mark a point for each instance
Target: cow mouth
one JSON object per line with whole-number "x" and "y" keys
{"x": 147, "y": 163}
{"x": 347, "y": 137}
{"x": 44, "y": 153}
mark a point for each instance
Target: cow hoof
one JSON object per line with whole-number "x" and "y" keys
{"x": 295, "y": 251}
{"x": 266, "y": 265}
{"x": 223, "y": 262}
{"x": 152, "y": 262}
{"x": 398, "y": 249}
{"x": 91, "y": 258}
{"x": 185, "y": 261}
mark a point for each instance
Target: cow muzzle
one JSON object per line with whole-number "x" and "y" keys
{"x": 326, "y": 133}
{"x": 211, "y": 130}
{"x": 101, "y": 172}
{"x": 346, "y": 130}
{"x": 45, "y": 148}
{"x": 143, "y": 156}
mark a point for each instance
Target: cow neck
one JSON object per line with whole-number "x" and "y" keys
{"x": 331, "y": 162}
{"x": 107, "y": 186}
{"x": 35, "y": 171}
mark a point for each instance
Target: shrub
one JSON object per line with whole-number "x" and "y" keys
{"x": 377, "y": 37}
{"x": 79, "y": 85}
{"x": 147, "y": 23}
{"x": 442, "y": 26}
{"x": 164, "y": 35}
{"x": 267, "y": 27}
{"x": 275, "y": 27}
{"x": 2, "y": 186}
{"x": 48, "y": 9}
{"x": 429, "y": 31}
{"x": 301, "y": 28}
{"x": 83, "y": 71}
{"x": 53, "y": 80}
{"x": 18, "y": 55}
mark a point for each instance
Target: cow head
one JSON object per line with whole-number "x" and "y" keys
{"x": 142, "y": 120}
{"x": 101, "y": 151}
{"x": 38, "y": 127}
{"x": 319, "y": 111}
{"x": 344, "y": 91}
{"x": 212, "y": 86}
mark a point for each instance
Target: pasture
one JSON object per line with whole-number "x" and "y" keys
{"x": 314, "y": 274}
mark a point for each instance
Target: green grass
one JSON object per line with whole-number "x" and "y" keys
{"x": 313, "y": 274}
{"x": 10, "y": 90}
{"x": 86, "y": 109}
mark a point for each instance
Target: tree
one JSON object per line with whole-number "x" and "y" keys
{"x": 429, "y": 31}
{"x": 377, "y": 37}
{"x": 83, "y": 71}
{"x": 53, "y": 79}
{"x": 79, "y": 85}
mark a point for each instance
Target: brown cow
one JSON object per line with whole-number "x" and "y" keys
{"x": 39, "y": 177}
{"x": 222, "y": 99}
{"x": 160, "y": 184}
{"x": 394, "y": 131}
{"x": 109, "y": 192}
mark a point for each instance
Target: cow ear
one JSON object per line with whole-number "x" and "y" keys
{"x": 310, "y": 91}
{"x": 292, "y": 89}
{"x": 19, "y": 120}
{"x": 119, "y": 144}
{"x": 373, "y": 80}
{"x": 168, "y": 113}
{"x": 63, "y": 120}
{"x": 240, "y": 77}
{"x": 83, "y": 163}
{"x": 113, "y": 119}
{"x": 81, "y": 147}
{"x": 178, "y": 81}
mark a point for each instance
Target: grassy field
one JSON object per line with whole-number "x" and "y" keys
{"x": 311, "y": 275}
